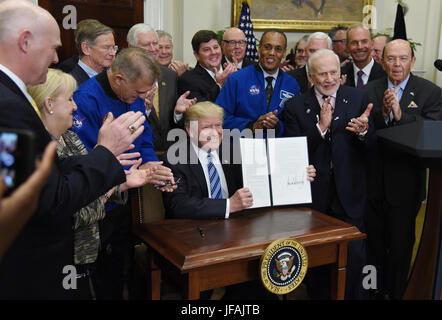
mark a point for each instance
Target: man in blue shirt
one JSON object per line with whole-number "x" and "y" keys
{"x": 254, "y": 97}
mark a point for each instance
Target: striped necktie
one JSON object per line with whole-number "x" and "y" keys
{"x": 215, "y": 182}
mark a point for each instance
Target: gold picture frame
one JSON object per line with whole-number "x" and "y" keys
{"x": 324, "y": 21}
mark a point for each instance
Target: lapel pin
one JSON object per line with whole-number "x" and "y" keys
{"x": 412, "y": 93}
{"x": 163, "y": 83}
{"x": 345, "y": 101}
{"x": 307, "y": 111}
{"x": 337, "y": 118}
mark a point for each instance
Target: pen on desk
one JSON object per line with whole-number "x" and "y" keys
{"x": 200, "y": 231}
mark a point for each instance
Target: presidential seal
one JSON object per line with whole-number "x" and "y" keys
{"x": 283, "y": 266}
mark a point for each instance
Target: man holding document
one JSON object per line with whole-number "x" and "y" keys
{"x": 209, "y": 180}
{"x": 336, "y": 121}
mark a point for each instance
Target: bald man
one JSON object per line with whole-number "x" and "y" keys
{"x": 379, "y": 43}
{"x": 397, "y": 180}
{"x": 33, "y": 266}
{"x": 234, "y": 47}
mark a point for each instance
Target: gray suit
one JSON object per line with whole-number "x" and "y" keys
{"x": 168, "y": 95}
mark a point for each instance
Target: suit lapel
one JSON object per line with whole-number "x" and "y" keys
{"x": 162, "y": 96}
{"x": 197, "y": 170}
{"x": 408, "y": 94}
{"x": 342, "y": 102}
{"x": 312, "y": 108}
{"x": 11, "y": 85}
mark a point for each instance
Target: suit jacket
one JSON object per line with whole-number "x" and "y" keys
{"x": 376, "y": 72}
{"x": 200, "y": 84}
{"x": 191, "y": 199}
{"x": 167, "y": 91}
{"x": 32, "y": 267}
{"x": 300, "y": 75}
{"x": 340, "y": 147}
{"x": 79, "y": 74}
{"x": 68, "y": 64}
{"x": 245, "y": 62}
{"x": 398, "y": 175}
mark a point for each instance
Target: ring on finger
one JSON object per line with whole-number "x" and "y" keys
{"x": 132, "y": 129}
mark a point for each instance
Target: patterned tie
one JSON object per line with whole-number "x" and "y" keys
{"x": 215, "y": 182}
{"x": 269, "y": 90}
{"x": 360, "y": 83}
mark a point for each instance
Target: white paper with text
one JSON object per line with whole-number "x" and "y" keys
{"x": 288, "y": 159}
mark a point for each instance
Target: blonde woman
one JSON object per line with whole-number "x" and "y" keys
{"x": 56, "y": 105}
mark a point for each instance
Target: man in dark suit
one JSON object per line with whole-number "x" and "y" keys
{"x": 164, "y": 109}
{"x": 207, "y": 78}
{"x": 32, "y": 268}
{"x": 96, "y": 47}
{"x": 195, "y": 161}
{"x": 335, "y": 120}
{"x": 316, "y": 41}
{"x": 397, "y": 180}
{"x": 234, "y": 46}
{"x": 364, "y": 68}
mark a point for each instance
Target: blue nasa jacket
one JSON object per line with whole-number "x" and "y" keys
{"x": 94, "y": 99}
{"x": 243, "y": 97}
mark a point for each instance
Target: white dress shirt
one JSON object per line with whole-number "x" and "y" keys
{"x": 202, "y": 157}
{"x": 366, "y": 70}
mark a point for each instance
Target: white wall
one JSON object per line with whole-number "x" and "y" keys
{"x": 423, "y": 22}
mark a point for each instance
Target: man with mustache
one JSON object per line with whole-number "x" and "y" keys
{"x": 363, "y": 69}
{"x": 254, "y": 97}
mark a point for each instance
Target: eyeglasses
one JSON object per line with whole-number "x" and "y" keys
{"x": 233, "y": 43}
{"x": 109, "y": 48}
{"x": 343, "y": 41}
{"x": 403, "y": 59}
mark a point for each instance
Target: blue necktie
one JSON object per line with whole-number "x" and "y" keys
{"x": 360, "y": 82}
{"x": 215, "y": 182}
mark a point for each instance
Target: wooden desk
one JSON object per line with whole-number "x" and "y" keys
{"x": 230, "y": 250}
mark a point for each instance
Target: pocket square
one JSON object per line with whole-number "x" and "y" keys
{"x": 412, "y": 105}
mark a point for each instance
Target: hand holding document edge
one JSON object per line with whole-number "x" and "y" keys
{"x": 275, "y": 172}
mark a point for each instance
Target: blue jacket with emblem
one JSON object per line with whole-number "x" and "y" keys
{"x": 94, "y": 103}
{"x": 243, "y": 97}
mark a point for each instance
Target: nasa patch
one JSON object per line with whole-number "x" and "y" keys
{"x": 283, "y": 266}
{"x": 77, "y": 123}
{"x": 254, "y": 90}
{"x": 284, "y": 96}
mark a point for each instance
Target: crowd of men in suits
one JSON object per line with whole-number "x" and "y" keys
{"x": 338, "y": 99}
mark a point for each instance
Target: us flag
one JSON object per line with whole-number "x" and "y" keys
{"x": 245, "y": 24}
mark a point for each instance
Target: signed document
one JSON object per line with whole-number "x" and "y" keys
{"x": 275, "y": 170}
